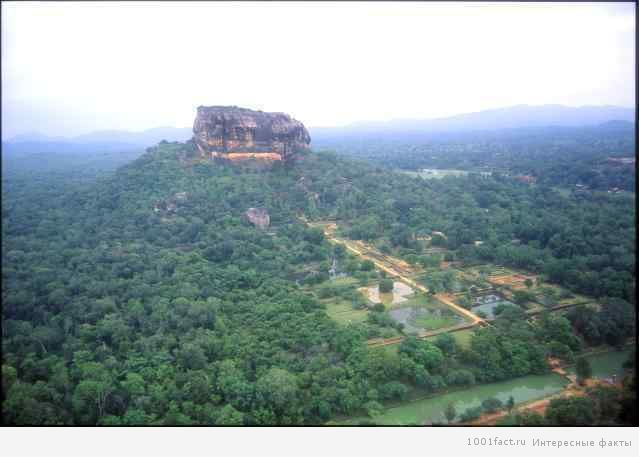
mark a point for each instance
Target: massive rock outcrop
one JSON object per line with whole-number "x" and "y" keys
{"x": 238, "y": 134}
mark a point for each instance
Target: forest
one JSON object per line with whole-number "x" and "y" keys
{"x": 143, "y": 296}
{"x": 554, "y": 156}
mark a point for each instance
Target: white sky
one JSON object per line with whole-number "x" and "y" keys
{"x": 70, "y": 68}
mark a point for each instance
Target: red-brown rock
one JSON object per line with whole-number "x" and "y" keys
{"x": 240, "y": 134}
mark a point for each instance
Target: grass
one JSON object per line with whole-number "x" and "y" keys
{"x": 342, "y": 312}
{"x": 338, "y": 308}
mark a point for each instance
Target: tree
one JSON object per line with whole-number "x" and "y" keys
{"x": 450, "y": 412}
{"x": 572, "y": 411}
{"x": 446, "y": 343}
{"x": 191, "y": 356}
{"x": 367, "y": 265}
{"x": 230, "y": 416}
{"x": 429, "y": 355}
{"x": 89, "y": 401}
{"x": 523, "y": 296}
{"x": 386, "y": 285}
{"x": 278, "y": 388}
{"x": 471, "y": 414}
{"x": 465, "y": 302}
{"x": 373, "y": 408}
{"x": 134, "y": 385}
{"x": 393, "y": 390}
{"x": 583, "y": 370}
{"x": 528, "y": 282}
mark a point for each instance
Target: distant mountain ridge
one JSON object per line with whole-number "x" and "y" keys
{"x": 519, "y": 116}
{"x": 118, "y": 138}
{"x": 514, "y": 117}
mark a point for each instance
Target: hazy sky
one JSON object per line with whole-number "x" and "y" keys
{"x": 70, "y": 68}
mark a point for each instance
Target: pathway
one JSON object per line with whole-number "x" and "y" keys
{"x": 396, "y": 270}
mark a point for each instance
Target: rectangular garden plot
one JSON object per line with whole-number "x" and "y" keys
{"x": 486, "y": 305}
{"x": 421, "y": 315}
{"x": 343, "y": 312}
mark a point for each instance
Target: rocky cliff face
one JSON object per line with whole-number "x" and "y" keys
{"x": 239, "y": 134}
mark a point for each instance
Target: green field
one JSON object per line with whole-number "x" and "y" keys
{"x": 338, "y": 308}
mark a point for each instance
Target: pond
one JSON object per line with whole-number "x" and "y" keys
{"x": 606, "y": 364}
{"x": 431, "y": 409}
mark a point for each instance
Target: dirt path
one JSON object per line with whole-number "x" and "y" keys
{"x": 447, "y": 299}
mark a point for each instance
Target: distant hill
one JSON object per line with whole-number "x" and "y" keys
{"x": 520, "y": 116}
{"x": 148, "y": 137}
{"x": 103, "y": 141}
{"x": 22, "y": 148}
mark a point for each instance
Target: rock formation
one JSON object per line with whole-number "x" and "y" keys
{"x": 239, "y": 134}
{"x": 258, "y": 217}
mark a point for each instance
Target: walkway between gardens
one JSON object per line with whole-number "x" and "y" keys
{"x": 447, "y": 299}
{"x": 396, "y": 269}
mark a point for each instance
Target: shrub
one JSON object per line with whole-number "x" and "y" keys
{"x": 460, "y": 378}
{"x": 491, "y": 405}
{"x": 471, "y": 414}
{"x": 393, "y": 390}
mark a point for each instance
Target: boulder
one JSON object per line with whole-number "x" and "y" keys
{"x": 258, "y": 217}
